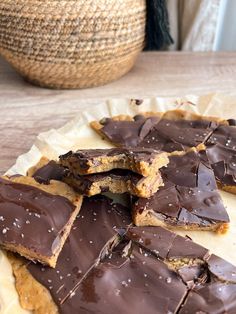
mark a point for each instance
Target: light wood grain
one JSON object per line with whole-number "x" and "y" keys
{"x": 26, "y": 110}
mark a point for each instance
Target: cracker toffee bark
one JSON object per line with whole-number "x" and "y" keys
{"x": 178, "y": 130}
{"x": 211, "y": 280}
{"x": 151, "y": 270}
{"x": 189, "y": 198}
{"x": 129, "y": 280}
{"x": 143, "y": 161}
{"x": 35, "y": 220}
{"x": 144, "y": 276}
{"x": 94, "y": 232}
{"x": 115, "y": 181}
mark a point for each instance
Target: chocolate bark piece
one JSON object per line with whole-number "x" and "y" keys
{"x": 183, "y": 255}
{"x": 115, "y": 181}
{"x": 126, "y": 131}
{"x": 221, "y": 151}
{"x": 35, "y": 220}
{"x": 222, "y": 269}
{"x": 215, "y": 297}
{"x": 51, "y": 171}
{"x": 216, "y": 293}
{"x": 143, "y": 161}
{"x": 169, "y": 135}
{"x": 46, "y": 170}
{"x": 189, "y": 198}
{"x": 136, "y": 284}
{"x": 191, "y": 274}
{"x": 169, "y": 131}
{"x": 165, "y": 244}
{"x": 155, "y": 239}
{"x": 94, "y": 232}
{"x": 211, "y": 280}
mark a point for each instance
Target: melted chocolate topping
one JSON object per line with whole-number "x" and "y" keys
{"x": 166, "y": 244}
{"x": 128, "y": 133}
{"x": 222, "y": 269}
{"x": 221, "y": 151}
{"x": 140, "y": 284}
{"x": 189, "y": 194}
{"x": 96, "y": 224}
{"x": 214, "y": 297}
{"x": 32, "y": 218}
{"x": 51, "y": 171}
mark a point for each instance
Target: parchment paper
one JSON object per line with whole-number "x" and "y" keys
{"x": 77, "y": 134}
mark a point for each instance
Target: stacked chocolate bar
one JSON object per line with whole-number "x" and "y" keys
{"x": 174, "y": 191}
{"x": 116, "y": 170}
{"x": 74, "y": 250}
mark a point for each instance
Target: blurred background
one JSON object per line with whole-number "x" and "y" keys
{"x": 86, "y": 43}
{"x": 191, "y": 25}
{"x": 202, "y": 25}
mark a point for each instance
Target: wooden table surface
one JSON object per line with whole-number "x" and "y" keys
{"x": 26, "y": 110}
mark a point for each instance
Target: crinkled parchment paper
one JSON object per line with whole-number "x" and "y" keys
{"x": 77, "y": 134}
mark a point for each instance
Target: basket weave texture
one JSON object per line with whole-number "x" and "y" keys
{"x": 72, "y": 43}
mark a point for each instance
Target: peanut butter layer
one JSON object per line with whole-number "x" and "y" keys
{"x": 94, "y": 232}
{"x": 115, "y": 181}
{"x": 143, "y": 161}
{"x": 189, "y": 198}
{"x": 178, "y": 130}
{"x": 35, "y": 222}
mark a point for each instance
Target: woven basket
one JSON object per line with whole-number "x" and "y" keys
{"x": 72, "y": 43}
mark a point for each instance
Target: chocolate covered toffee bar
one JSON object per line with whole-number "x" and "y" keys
{"x": 143, "y": 161}
{"x": 115, "y": 181}
{"x": 35, "y": 219}
{"x": 178, "y": 130}
{"x": 94, "y": 232}
{"x": 211, "y": 280}
{"x": 129, "y": 280}
{"x": 189, "y": 198}
{"x": 151, "y": 270}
